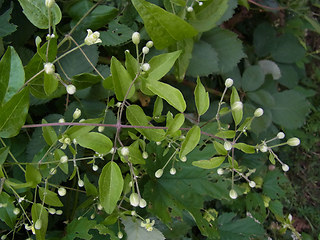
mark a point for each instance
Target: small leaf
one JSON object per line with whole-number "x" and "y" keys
{"x": 163, "y": 27}
{"x": 110, "y": 186}
{"x": 191, "y": 141}
{"x": 49, "y": 134}
{"x": 58, "y": 153}
{"x": 117, "y": 34}
{"x": 252, "y": 78}
{"x": 209, "y": 164}
{"x": 201, "y": 98}
{"x": 131, "y": 64}
{"x": 245, "y": 148}
{"x": 38, "y": 212}
{"x": 135, "y": 156}
{"x": 176, "y": 123}
{"x": 236, "y": 114}
{"x": 6, "y": 27}
{"x": 226, "y": 134}
{"x": 271, "y": 159}
{"x": 50, "y": 83}
{"x": 158, "y": 107}
{"x": 33, "y": 175}
{"x": 219, "y": 148}
{"x": 77, "y": 131}
{"x": 49, "y": 197}
{"x": 95, "y": 141}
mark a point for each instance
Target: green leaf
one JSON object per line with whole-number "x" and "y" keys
{"x": 226, "y": 134}
{"x": 33, "y": 175}
{"x": 95, "y": 141}
{"x": 314, "y": 23}
{"x": 191, "y": 141}
{"x": 14, "y": 113}
{"x": 176, "y": 123}
{"x": 135, "y": 156}
{"x": 49, "y": 197}
{"x": 91, "y": 189}
{"x": 117, "y": 34}
{"x": 291, "y": 109}
{"x": 121, "y": 80}
{"x": 271, "y": 159}
{"x": 276, "y": 208}
{"x": 38, "y": 212}
{"x": 6, "y": 213}
{"x": 6, "y": 28}
{"x": 134, "y": 230}
{"x": 289, "y": 75}
{"x": 3, "y": 154}
{"x": 208, "y": 15}
{"x": 204, "y": 60}
{"x": 48, "y": 55}
{"x": 136, "y": 117}
{"x": 264, "y": 38}
{"x": 50, "y": 83}
{"x": 271, "y": 185}
{"x": 220, "y": 148}
{"x": 79, "y": 229}
{"x": 58, "y": 153}
{"x": 110, "y": 186}
{"x": 12, "y": 75}
{"x": 209, "y": 164}
{"x": 163, "y": 27}
{"x": 85, "y": 80}
{"x": 252, "y": 78}
{"x": 201, "y": 98}
{"x": 158, "y": 107}
{"x": 161, "y": 64}
{"x": 245, "y": 148}
{"x": 37, "y": 13}
{"x": 236, "y": 114}
{"x": 228, "y": 47}
{"x": 172, "y": 95}
{"x": 132, "y": 65}
{"x": 262, "y": 97}
{"x": 77, "y": 131}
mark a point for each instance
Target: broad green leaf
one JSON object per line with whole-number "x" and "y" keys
{"x": 6, "y": 213}
{"x": 276, "y": 208}
{"x": 134, "y": 230}
{"x": 191, "y": 141}
{"x": 158, "y": 107}
{"x": 272, "y": 184}
{"x": 262, "y": 97}
{"x": 110, "y": 186}
{"x": 136, "y": 117}
{"x": 289, "y": 75}
{"x": 91, "y": 189}
{"x": 38, "y": 212}
{"x": 117, "y": 34}
{"x": 163, "y": 27}
{"x": 135, "y": 155}
{"x": 204, "y": 60}
{"x": 48, "y": 54}
{"x": 33, "y": 175}
{"x": 85, "y": 80}
{"x": 77, "y": 131}
{"x": 49, "y": 197}
{"x": 226, "y": 134}
{"x": 264, "y": 38}
{"x": 201, "y": 98}
{"x": 255, "y": 205}
{"x": 95, "y": 141}
{"x": 121, "y": 80}
{"x": 12, "y": 75}
{"x": 207, "y": 15}
{"x": 176, "y": 123}
{"x": 37, "y": 13}
{"x": 209, "y": 164}
{"x": 6, "y": 27}
{"x": 79, "y": 229}
{"x": 172, "y": 95}
{"x": 161, "y": 64}
{"x": 245, "y": 148}
{"x": 236, "y": 114}
{"x": 132, "y": 65}
{"x": 219, "y": 148}
{"x": 50, "y": 83}
{"x": 291, "y": 109}
{"x": 3, "y": 154}
{"x": 252, "y": 78}
{"x": 14, "y": 113}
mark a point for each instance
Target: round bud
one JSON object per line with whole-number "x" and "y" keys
{"x": 252, "y": 184}
{"x": 233, "y": 194}
{"x": 200, "y": 3}
{"x": 49, "y": 3}
{"x": 64, "y": 159}
{"x": 61, "y": 120}
{"x": 158, "y": 143}
{"x": 258, "y": 112}
{"x": 285, "y": 167}
{"x": 76, "y": 113}
{"x": 142, "y": 203}
{"x": 38, "y": 224}
{"x": 145, "y": 155}
{"x": 183, "y": 159}
{"x": 120, "y": 235}
{"x": 16, "y": 211}
{"x": 133, "y": 213}
{"x": 80, "y": 183}
{"x": 100, "y": 129}
{"x": 227, "y": 145}
{"x": 49, "y": 68}
{"x": 135, "y": 38}
{"x": 134, "y": 199}
{"x": 99, "y": 207}
{"x": 145, "y": 67}
{"x": 263, "y": 148}
{"x": 158, "y": 173}
{"x": 112, "y": 151}
{"x": 173, "y": 171}
{"x": 145, "y": 50}
{"x": 228, "y": 83}
{"x": 293, "y": 141}
{"x": 92, "y": 216}
{"x": 280, "y": 135}
{"x": 71, "y": 89}
{"x": 95, "y": 167}
{"x": 237, "y": 106}
{"x": 62, "y": 191}
{"x": 220, "y": 171}
{"x": 190, "y": 9}
{"x": 124, "y": 151}
{"x": 290, "y": 217}
{"x": 149, "y": 44}
{"x": 59, "y": 212}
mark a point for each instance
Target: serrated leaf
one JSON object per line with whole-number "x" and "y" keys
{"x": 33, "y": 175}
{"x": 110, "y": 186}
{"x": 49, "y": 197}
{"x": 201, "y": 98}
{"x": 117, "y": 34}
{"x": 262, "y": 98}
{"x": 255, "y": 205}
{"x": 136, "y": 117}
{"x": 6, "y": 28}
{"x": 12, "y": 75}
{"x": 6, "y": 213}
{"x": 121, "y": 80}
{"x": 14, "y": 113}
{"x": 209, "y": 164}
{"x": 163, "y": 27}
{"x": 38, "y": 212}
{"x": 271, "y": 185}
{"x": 95, "y": 141}
{"x": 252, "y": 78}
{"x": 134, "y": 230}
{"x": 204, "y": 60}
{"x": 172, "y": 95}
{"x": 246, "y": 148}
{"x": 161, "y": 64}
{"x": 191, "y": 141}
{"x": 37, "y": 13}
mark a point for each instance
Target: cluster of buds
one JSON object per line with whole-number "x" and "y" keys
{"x": 92, "y": 37}
{"x": 136, "y": 200}
{"x": 65, "y": 140}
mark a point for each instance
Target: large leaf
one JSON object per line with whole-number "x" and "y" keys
{"x": 38, "y": 212}
{"x": 33, "y": 175}
{"x": 95, "y": 141}
{"x": 163, "y": 27}
{"x": 85, "y": 80}
{"x": 117, "y": 34}
{"x": 13, "y": 114}
{"x": 172, "y": 95}
{"x": 136, "y": 117}
{"x": 264, "y": 39}
{"x": 191, "y": 141}
{"x": 37, "y": 13}
{"x": 4, "y": 151}
{"x": 12, "y": 75}
{"x": 6, "y": 213}
{"x": 201, "y": 98}
{"x": 6, "y": 28}
{"x": 110, "y": 186}
{"x": 252, "y": 78}
{"x": 77, "y": 131}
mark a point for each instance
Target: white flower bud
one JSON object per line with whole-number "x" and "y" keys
{"x": 76, "y": 113}
{"x": 149, "y": 44}
{"x": 263, "y": 148}
{"x": 71, "y": 89}
{"x": 100, "y": 129}
{"x": 280, "y": 135}
{"x": 52, "y": 211}
{"x": 293, "y": 141}
{"x": 61, "y": 120}
{"x": 145, "y": 155}
{"x": 92, "y": 38}
{"x": 134, "y": 199}
{"x": 145, "y": 50}
{"x": 135, "y": 38}
{"x": 16, "y": 211}
{"x": 233, "y": 194}
{"x": 190, "y": 9}
{"x": 285, "y": 167}
{"x": 173, "y": 171}
{"x": 183, "y": 159}
{"x": 124, "y": 151}
{"x": 237, "y": 106}
{"x": 228, "y": 83}
{"x": 95, "y": 167}
{"x": 200, "y": 4}
{"x": 49, "y": 3}
{"x": 142, "y": 203}
{"x": 64, "y": 159}
{"x": 38, "y": 224}
{"x": 120, "y": 235}
{"x": 80, "y": 183}
{"x": 158, "y": 143}
{"x": 62, "y": 191}
{"x": 220, "y": 171}
{"x": 145, "y": 67}
{"x": 252, "y": 184}
{"x": 118, "y": 104}
{"x": 59, "y": 212}
{"x": 290, "y": 217}
{"x": 49, "y": 68}
{"x": 158, "y": 173}
{"x": 258, "y": 112}
{"x": 99, "y": 206}
{"x": 227, "y": 145}
{"x": 112, "y": 151}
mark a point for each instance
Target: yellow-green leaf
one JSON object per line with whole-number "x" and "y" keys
{"x": 191, "y": 141}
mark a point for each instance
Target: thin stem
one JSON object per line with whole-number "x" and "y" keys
{"x": 13, "y": 157}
